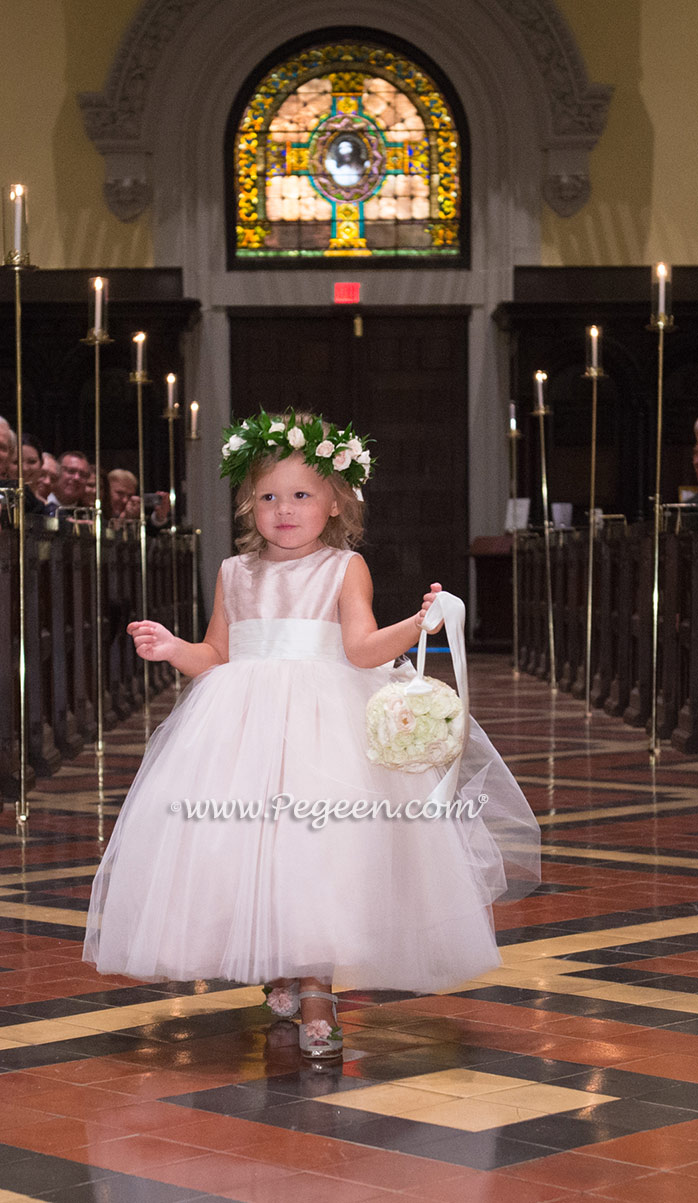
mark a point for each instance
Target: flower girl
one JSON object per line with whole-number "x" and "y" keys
{"x": 259, "y": 843}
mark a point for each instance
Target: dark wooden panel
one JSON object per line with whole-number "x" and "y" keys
{"x": 545, "y": 327}
{"x": 405, "y": 382}
{"x": 58, "y": 368}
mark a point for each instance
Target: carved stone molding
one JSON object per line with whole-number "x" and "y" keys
{"x": 566, "y": 194}
{"x": 127, "y": 198}
{"x": 578, "y": 109}
{"x": 574, "y": 117}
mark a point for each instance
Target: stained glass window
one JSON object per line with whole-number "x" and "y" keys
{"x": 347, "y": 149}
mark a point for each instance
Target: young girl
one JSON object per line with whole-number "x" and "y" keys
{"x": 256, "y": 843}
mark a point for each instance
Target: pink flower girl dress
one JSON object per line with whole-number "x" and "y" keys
{"x": 371, "y": 902}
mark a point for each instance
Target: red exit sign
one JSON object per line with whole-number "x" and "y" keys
{"x": 347, "y": 293}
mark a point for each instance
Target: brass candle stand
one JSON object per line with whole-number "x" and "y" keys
{"x": 139, "y": 377}
{"x": 17, "y": 258}
{"x": 662, "y": 323}
{"x": 97, "y": 337}
{"x": 594, "y": 372}
{"x": 195, "y": 538}
{"x": 514, "y": 435}
{"x": 541, "y": 411}
{"x": 171, "y": 414}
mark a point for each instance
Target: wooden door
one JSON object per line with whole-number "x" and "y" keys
{"x": 403, "y": 380}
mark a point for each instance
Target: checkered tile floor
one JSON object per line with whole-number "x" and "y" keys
{"x": 569, "y": 1073}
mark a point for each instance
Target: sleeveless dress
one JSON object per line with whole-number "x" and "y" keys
{"x": 191, "y": 887}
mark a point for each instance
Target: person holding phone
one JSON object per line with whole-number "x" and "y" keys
{"x": 126, "y": 503}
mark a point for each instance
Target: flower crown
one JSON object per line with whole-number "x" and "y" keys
{"x": 327, "y": 451}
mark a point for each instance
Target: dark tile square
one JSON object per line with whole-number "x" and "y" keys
{"x": 563, "y": 1131}
{"x": 122, "y": 996}
{"x": 311, "y": 1084}
{"x": 636, "y": 1115}
{"x": 232, "y": 1100}
{"x": 33, "y": 1055}
{"x": 38, "y": 1174}
{"x": 122, "y": 1188}
{"x": 9, "y": 1154}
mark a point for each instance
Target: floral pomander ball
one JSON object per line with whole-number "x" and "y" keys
{"x": 414, "y": 731}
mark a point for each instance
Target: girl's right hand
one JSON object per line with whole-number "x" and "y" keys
{"x": 153, "y": 641}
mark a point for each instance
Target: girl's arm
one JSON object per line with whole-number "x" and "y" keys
{"x": 365, "y": 644}
{"x": 154, "y": 642}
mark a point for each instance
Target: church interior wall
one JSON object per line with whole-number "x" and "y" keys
{"x": 641, "y": 206}
{"x": 643, "y": 184}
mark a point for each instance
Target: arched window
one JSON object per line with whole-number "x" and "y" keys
{"x": 346, "y": 148}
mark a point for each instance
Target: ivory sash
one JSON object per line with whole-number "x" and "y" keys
{"x": 285, "y": 639}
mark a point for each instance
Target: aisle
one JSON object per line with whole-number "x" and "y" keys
{"x": 569, "y": 1073}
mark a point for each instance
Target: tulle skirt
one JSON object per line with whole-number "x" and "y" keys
{"x": 257, "y": 841}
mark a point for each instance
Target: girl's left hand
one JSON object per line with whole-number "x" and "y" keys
{"x": 427, "y": 601}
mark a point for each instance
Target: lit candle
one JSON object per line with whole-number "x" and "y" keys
{"x": 540, "y": 377}
{"x": 661, "y": 297}
{"x": 171, "y": 382}
{"x": 99, "y": 290}
{"x": 194, "y": 424}
{"x": 16, "y": 196}
{"x": 139, "y": 340}
{"x": 594, "y": 336}
{"x": 512, "y": 416}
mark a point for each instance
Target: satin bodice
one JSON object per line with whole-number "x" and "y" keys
{"x": 304, "y": 588}
{"x": 285, "y": 609}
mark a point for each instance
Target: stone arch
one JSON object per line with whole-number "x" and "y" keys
{"x": 533, "y": 117}
{"x": 571, "y": 110}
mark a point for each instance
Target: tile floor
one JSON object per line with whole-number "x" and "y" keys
{"x": 569, "y": 1073}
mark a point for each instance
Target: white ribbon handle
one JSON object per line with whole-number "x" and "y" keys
{"x": 451, "y": 609}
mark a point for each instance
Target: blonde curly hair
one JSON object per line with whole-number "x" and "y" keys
{"x": 344, "y": 530}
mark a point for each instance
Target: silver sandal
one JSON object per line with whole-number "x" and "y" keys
{"x": 320, "y": 1040}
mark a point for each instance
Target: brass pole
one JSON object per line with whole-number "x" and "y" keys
{"x": 22, "y": 805}
{"x": 143, "y": 547}
{"x": 514, "y": 435}
{"x": 171, "y": 413}
{"x": 541, "y": 411}
{"x": 655, "y": 745}
{"x": 592, "y": 534}
{"x": 195, "y": 585}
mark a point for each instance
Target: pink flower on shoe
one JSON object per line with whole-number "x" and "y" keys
{"x": 318, "y": 1029}
{"x": 281, "y": 1002}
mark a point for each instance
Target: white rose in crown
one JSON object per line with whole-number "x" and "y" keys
{"x": 325, "y": 449}
{"x": 235, "y": 442}
{"x": 296, "y": 437}
{"x": 341, "y": 460}
{"x": 354, "y": 448}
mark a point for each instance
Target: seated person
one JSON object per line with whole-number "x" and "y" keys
{"x": 73, "y": 472}
{"x": 126, "y": 504}
{"x": 48, "y": 477}
{"x": 31, "y": 463}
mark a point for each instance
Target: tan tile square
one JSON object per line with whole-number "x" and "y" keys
{"x": 471, "y": 1115}
{"x": 547, "y": 1098}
